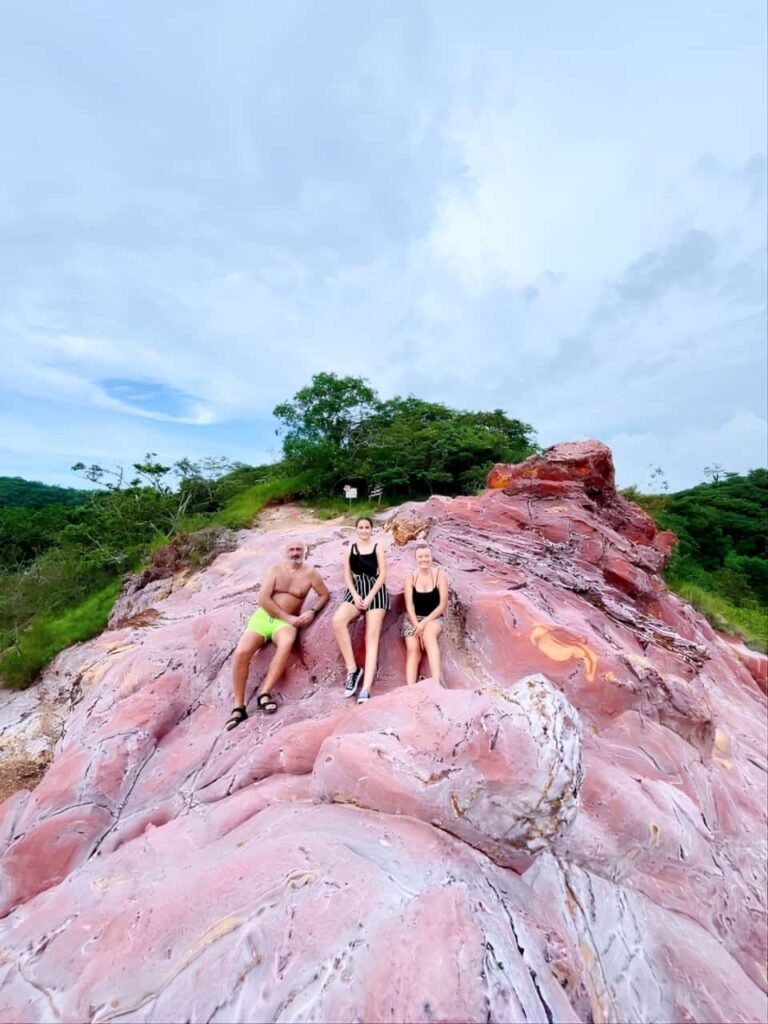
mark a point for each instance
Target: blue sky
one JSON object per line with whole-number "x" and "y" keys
{"x": 556, "y": 209}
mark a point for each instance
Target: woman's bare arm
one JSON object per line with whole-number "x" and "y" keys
{"x": 442, "y": 585}
{"x": 381, "y": 579}
{"x": 348, "y": 576}
{"x": 408, "y": 595}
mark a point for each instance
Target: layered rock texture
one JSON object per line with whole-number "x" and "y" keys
{"x": 573, "y": 828}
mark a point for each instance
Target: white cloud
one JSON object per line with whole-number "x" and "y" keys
{"x": 503, "y": 211}
{"x": 739, "y": 444}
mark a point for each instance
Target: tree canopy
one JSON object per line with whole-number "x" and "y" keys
{"x": 338, "y": 427}
{"x": 723, "y": 531}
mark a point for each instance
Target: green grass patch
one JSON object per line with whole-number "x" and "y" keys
{"x": 331, "y": 508}
{"x": 46, "y": 636}
{"x": 241, "y": 508}
{"x": 750, "y": 621}
{"x": 653, "y": 504}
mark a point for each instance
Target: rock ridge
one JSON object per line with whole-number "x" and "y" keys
{"x": 573, "y": 829}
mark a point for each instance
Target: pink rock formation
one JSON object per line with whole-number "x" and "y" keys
{"x": 573, "y": 830}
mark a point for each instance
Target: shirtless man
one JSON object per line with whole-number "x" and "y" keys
{"x": 279, "y": 618}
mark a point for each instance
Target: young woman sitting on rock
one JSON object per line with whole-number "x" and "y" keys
{"x": 426, "y": 598}
{"x": 365, "y": 573}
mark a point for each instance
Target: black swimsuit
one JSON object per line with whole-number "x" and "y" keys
{"x": 365, "y": 572}
{"x": 425, "y": 601}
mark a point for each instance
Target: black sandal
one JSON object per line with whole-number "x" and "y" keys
{"x": 238, "y": 715}
{"x": 265, "y": 702}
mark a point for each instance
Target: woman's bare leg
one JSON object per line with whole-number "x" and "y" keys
{"x": 412, "y": 659}
{"x": 342, "y": 617}
{"x": 374, "y": 620}
{"x": 432, "y": 632}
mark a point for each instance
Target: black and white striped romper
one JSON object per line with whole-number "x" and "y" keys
{"x": 365, "y": 571}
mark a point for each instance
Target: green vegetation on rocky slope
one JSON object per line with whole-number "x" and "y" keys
{"x": 61, "y": 563}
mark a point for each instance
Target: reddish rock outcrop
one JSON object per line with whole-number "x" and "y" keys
{"x": 574, "y": 829}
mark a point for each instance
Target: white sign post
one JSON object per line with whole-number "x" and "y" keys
{"x": 350, "y": 493}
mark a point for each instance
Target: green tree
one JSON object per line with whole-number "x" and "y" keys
{"x": 27, "y": 532}
{"x": 723, "y": 534}
{"x": 416, "y": 446}
{"x": 714, "y": 472}
{"x": 323, "y": 427}
{"x": 340, "y": 430}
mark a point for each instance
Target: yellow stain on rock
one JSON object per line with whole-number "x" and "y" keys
{"x": 342, "y": 798}
{"x": 298, "y": 879}
{"x": 455, "y": 805}
{"x": 430, "y": 780}
{"x": 217, "y": 931}
{"x": 655, "y": 834}
{"x": 638, "y": 659}
{"x": 96, "y": 671}
{"x": 723, "y": 747}
{"x": 493, "y": 691}
{"x": 722, "y": 741}
{"x": 598, "y": 1016}
{"x": 555, "y": 644}
{"x": 99, "y": 884}
{"x": 114, "y": 646}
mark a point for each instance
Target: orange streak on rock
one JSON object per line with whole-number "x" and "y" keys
{"x": 556, "y": 649}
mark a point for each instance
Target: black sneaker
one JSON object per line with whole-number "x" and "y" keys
{"x": 354, "y": 679}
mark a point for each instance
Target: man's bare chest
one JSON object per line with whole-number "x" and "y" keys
{"x": 297, "y": 584}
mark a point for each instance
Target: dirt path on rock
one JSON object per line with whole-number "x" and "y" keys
{"x": 290, "y": 516}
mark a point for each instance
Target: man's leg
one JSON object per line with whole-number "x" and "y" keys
{"x": 283, "y": 639}
{"x": 250, "y": 642}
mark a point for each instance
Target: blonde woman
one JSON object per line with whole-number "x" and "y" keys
{"x": 426, "y": 598}
{"x": 365, "y": 573}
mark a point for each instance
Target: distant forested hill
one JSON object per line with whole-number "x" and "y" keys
{"x": 20, "y": 493}
{"x": 723, "y": 531}
{"x": 32, "y": 516}
{"x": 721, "y": 562}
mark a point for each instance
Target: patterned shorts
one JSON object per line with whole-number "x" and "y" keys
{"x": 407, "y": 629}
{"x": 364, "y": 585}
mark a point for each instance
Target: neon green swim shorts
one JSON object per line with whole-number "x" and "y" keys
{"x": 264, "y": 623}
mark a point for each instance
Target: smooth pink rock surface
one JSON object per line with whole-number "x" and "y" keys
{"x": 573, "y": 830}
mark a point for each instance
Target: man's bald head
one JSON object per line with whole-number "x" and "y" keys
{"x": 296, "y": 552}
